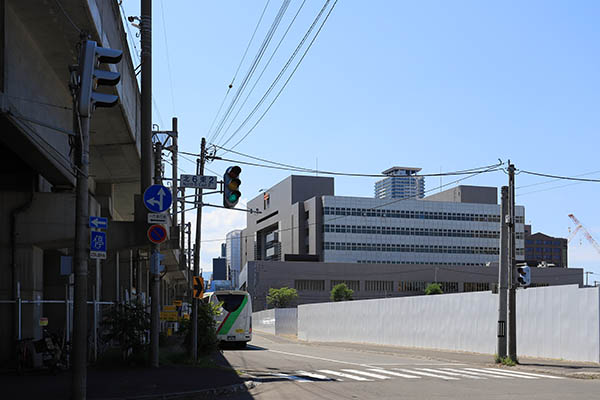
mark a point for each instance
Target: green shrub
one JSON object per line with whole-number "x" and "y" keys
{"x": 127, "y": 324}
{"x": 282, "y": 297}
{"x": 341, "y": 292}
{"x": 433, "y": 288}
{"x": 207, "y": 330}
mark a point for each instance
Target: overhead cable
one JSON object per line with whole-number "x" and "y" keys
{"x": 315, "y": 21}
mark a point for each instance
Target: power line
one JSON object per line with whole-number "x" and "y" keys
{"x": 555, "y": 180}
{"x": 238, "y": 68}
{"x": 569, "y": 178}
{"x": 131, "y": 36}
{"x": 282, "y": 72}
{"x": 67, "y": 16}
{"x": 162, "y": 11}
{"x": 371, "y": 208}
{"x": 309, "y": 170}
{"x": 252, "y": 69}
{"x": 265, "y": 67}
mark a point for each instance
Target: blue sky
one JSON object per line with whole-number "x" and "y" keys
{"x": 435, "y": 84}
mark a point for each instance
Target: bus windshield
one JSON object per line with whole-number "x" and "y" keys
{"x": 231, "y": 302}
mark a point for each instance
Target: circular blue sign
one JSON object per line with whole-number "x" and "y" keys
{"x": 157, "y": 234}
{"x": 158, "y": 198}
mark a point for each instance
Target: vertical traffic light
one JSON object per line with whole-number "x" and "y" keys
{"x": 90, "y": 77}
{"x": 524, "y": 275}
{"x": 231, "y": 184}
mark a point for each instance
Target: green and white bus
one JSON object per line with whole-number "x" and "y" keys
{"x": 234, "y": 324}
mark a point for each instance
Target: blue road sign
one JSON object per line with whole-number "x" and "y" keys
{"x": 98, "y": 222}
{"x": 157, "y": 234}
{"x": 98, "y": 241}
{"x": 157, "y": 198}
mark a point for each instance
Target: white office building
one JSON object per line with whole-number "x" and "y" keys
{"x": 304, "y": 221}
{"x": 401, "y": 183}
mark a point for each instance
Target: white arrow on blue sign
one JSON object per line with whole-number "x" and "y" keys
{"x": 98, "y": 222}
{"x": 157, "y": 198}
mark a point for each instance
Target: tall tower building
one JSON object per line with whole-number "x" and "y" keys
{"x": 401, "y": 183}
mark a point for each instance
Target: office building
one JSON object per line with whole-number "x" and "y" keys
{"x": 302, "y": 220}
{"x": 544, "y": 250}
{"x": 233, "y": 255}
{"x": 401, "y": 183}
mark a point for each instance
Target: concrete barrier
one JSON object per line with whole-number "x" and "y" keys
{"x": 552, "y": 322}
{"x": 277, "y": 321}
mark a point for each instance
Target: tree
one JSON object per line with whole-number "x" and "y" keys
{"x": 282, "y": 297}
{"x": 341, "y": 292}
{"x": 433, "y": 288}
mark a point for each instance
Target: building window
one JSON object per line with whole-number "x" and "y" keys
{"x": 379, "y": 286}
{"x": 412, "y": 286}
{"x": 312, "y": 285}
{"x": 449, "y": 287}
{"x": 476, "y": 286}
{"x": 354, "y": 285}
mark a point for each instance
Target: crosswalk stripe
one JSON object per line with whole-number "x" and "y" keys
{"x": 452, "y": 373}
{"x": 292, "y": 377}
{"x": 501, "y": 373}
{"x": 408, "y": 371}
{"x": 343, "y": 375}
{"x": 528, "y": 374}
{"x": 316, "y": 376}
{"x": 384, "y": 371}
{"x": 476, "y": 373}
{"x": 369, "y": 374}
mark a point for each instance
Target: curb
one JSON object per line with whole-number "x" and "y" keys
{"x": 192, "y": 395}
{"x": 565, "y": 374}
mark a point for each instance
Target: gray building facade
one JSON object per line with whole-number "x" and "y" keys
{"x": 314, "y": 280}
{"x": 302, "y": 220}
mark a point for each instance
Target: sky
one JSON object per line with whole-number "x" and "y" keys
{"x": 439, "y": 85}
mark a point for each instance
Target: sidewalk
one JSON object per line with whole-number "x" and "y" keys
{"x": 169, "y": 382}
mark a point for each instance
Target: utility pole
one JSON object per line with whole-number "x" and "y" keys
{"x": 155, "y": 272}
{"x": 199, "y": 171}
{"x": 512, "y": 292}
{"x": 146, "y": 157}
{"x": 502, "y": 275}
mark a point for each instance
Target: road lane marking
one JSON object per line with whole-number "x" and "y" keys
{"x": 416, "y": 364}
{"x": 500, "y": 373}
{"x": 408, "y": 371}
{"x": 292, "y": 377}
{"x": 439, "y": 371}
{"x": 343, "y": 375}
{"x": 528, "y": 374}
{"x": 317, "y": 376}
{"x": 462, "y": 371}
{"x": 369, "y": 374}
{"x": 319, "y": 358}
{"x": 385, "y": 371}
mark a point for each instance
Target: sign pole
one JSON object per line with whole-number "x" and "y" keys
{"x": 79, "y": 379}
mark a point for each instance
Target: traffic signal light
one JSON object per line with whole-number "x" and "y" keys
{"x": 90, "y": 77}
{"x": 524, "y": 275}
{"x": 231, "y": 183}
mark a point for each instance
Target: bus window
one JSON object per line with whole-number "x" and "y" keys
{"x": 231, "y": 302}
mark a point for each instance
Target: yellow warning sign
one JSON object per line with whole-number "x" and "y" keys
{"x": 168, "y": 315}
{"x": 170, "y": 308}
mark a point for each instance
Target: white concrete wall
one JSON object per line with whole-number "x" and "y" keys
{"x": 278, "y": 321}
{"x": 552, "y": 322}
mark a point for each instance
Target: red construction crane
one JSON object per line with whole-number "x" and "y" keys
{"x": 585, "y": 232}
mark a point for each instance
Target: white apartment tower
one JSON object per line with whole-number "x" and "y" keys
{"x": 401, "y": 183}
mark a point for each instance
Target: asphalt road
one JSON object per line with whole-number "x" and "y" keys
{"x": 288, "y": 369}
